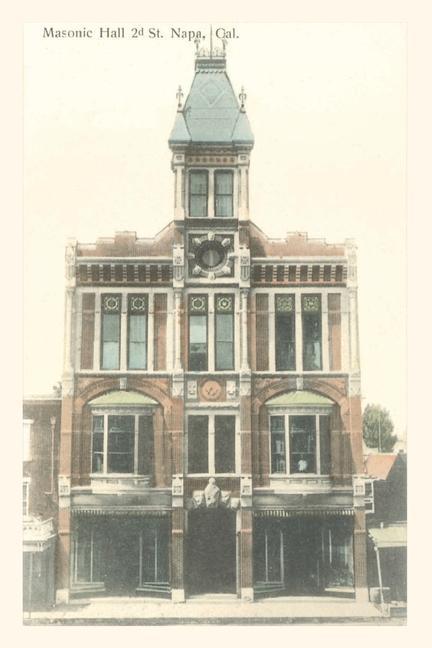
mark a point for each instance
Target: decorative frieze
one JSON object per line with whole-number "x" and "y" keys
{"x": 298, "y": 273}
{"x": 115, "y": 274}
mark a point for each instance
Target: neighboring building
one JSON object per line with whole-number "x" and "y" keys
{"x": 211, "y": 432}
{"x": 387, "y": 546}
{"x": 41, "y": 426}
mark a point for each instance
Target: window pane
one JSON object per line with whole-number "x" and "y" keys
{"x": 285, "y": 341}
{"x": 145, "y": 445}
{"x": 311, "y": 320}
{"x": 223, "y": 183}
{"x": 325, "y": 459}
{"x": 198, "y": 183}
{"x": 137, "y": 341}
{"x": 224, "y": 206}
{"x": 198, "y": 342}
{"x": 198, "y": 444}
{"x": 274, "y": 574}
{"x": 110, "y": 340}
{"x": 278, "y": 452}
{"x": 224, "y": 194}
{"x": 121, "y": 444}
{"x": 302, "y": 444}
{"x": 97, "y": 444}
{"x": 225, "y": 444}
{"x": 224, "y": 341}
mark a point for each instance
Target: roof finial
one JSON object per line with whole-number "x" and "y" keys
{"x": 179, "y": 97}
{"x": 211, "y": 41}
{"x": 242, "y": 97}
{"x": 197, "y": 44}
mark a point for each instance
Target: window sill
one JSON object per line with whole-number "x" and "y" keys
{"x": 301, "y": 482}
{"x": 107, "y": 483}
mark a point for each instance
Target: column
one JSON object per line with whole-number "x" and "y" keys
{"x": 123, "y": 332}
{"x": 177, "y": 331}
{"x": 354, "y": 347}
{"x": 177, "y": 555}
{"x": 360, "y": 556}
{"x": 325, "y": 332}
{"x": 178, "y": 168}
{"x": 246, "y": 494}
{"x": 244, "y": 331}
{"x": 175, "y": 427}
{"x": 211, "y": 199}
{"x": 298, "y": 333}
{"x": 151, "y": 333}
{"x": 69, "y": 329}
{"x": 97, "y": 333}
{"x": 243, "y": 211}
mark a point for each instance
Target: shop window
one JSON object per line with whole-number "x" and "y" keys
{"x": 122, "y": 444}
{"x": 223, "y": 188}
{"x": 110, "y": 336}
{"x": 268, "y": 552}
{"x": 224, "y": 332}
{"x": 198, "y": 194}
{"x": 337, "y": 556}
{"x": 285, "y": 332}
{"x": 211, "y": 443}
{"x": 300, "y": 444}
{"x": 198, "y": 345}
{"x": 137, "y": 331}
{"x": 88, "y": 559}
{"x": 311, "y": 321}
{"x": 153, "y": 554}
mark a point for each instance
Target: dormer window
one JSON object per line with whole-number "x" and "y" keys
{"x": 223, "y": 194}
{"x": 198, "y": 194}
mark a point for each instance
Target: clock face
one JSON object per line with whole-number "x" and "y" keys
{"x": 210, "y": 255}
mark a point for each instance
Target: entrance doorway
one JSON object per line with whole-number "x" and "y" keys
{"x": 211, "y": 552}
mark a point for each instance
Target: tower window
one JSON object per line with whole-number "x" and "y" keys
{"x": 224, "y": 332}
{"x": 198, "y": 333}
{"x": 311, "y": 319}
{"x": 110, "y": 331}
{"x": 198, "y": 194}
{"x": 223, "y": 194}
{"x": 285, "y": 332}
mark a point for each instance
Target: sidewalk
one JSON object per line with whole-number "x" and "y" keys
{"x": 217, "y": 610}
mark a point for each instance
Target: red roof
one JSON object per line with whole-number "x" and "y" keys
{"x": 378, "y": 466}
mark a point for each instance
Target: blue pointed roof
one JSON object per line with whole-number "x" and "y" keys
{"x": 211, "y": 113}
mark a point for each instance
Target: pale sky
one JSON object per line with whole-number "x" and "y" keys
{"x": 327, "y": 105}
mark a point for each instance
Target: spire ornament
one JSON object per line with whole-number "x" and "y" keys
{"x": 179, "y": 97}
{"x": 242, "y": 97}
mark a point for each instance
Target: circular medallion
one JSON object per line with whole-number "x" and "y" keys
{"x": 211, "y": 390}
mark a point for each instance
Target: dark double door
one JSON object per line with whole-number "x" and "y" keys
{"x": 211, "y": 552}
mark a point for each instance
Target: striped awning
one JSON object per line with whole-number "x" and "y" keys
{"x": 320, "y": 512}
{"x": 120, "y": 511}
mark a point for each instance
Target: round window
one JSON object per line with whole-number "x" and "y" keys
{"x": 210, "y": 255}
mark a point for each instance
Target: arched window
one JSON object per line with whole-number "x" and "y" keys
{"x": 122, "y": 433}
{"x": 300, "y": 433}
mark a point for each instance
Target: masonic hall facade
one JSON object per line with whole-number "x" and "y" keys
{"x": 211, "y": 435}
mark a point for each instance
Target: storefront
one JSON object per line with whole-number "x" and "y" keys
{"x": 299, "y": 554}
{"x": 121, "y": 555}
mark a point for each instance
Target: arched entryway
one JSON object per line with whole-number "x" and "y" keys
{"x": 211, "y": 552}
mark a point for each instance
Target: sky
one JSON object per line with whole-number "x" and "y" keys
{"x": 327, "y": 105}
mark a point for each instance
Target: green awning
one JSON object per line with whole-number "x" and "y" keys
{"x": 123, "y": 399}
{"x": 389, "y": 536}
{"x": 300, "y": 399}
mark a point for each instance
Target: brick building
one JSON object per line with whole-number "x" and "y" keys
{"x": 41, "y": 425}
{"x": 211, "y": 421}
